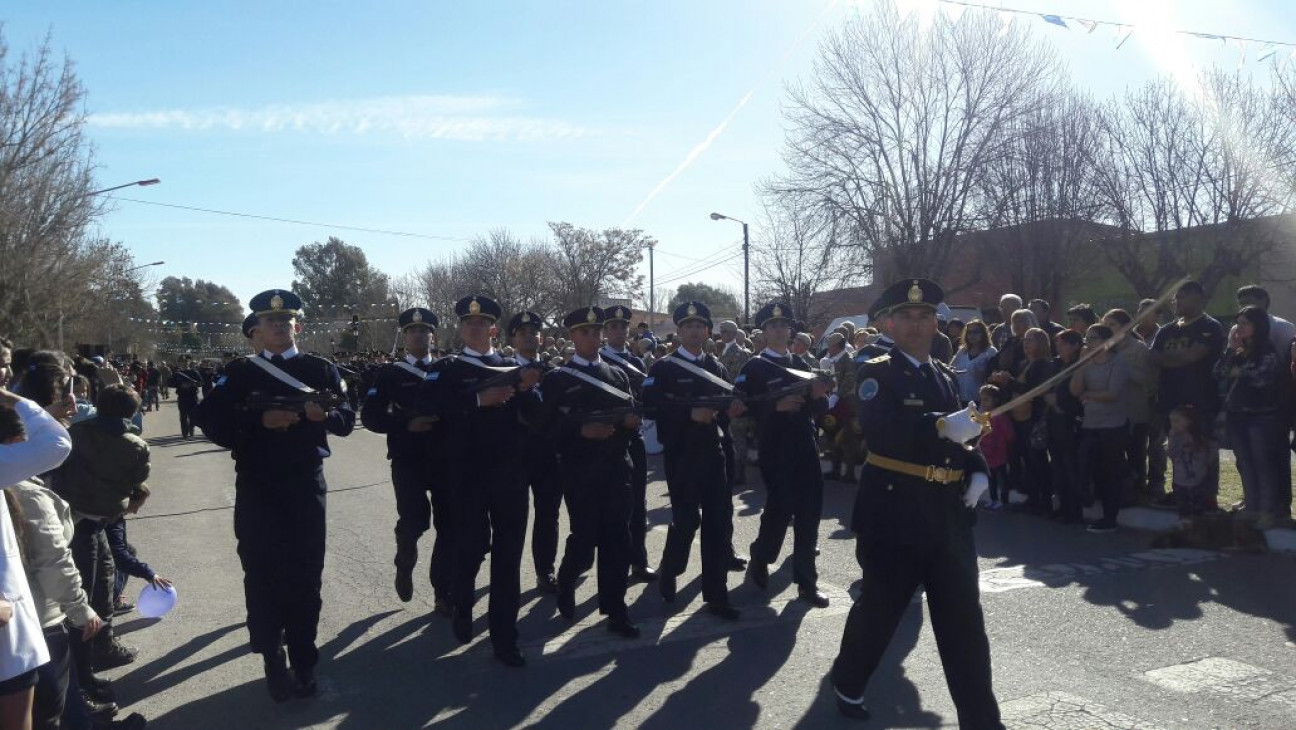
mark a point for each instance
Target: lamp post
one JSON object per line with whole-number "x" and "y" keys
{"x": 746, "y": 262}
{"x": 139, "y": 183}
{"x": 143, "y": 266}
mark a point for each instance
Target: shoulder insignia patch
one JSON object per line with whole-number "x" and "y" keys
{"x": 220, "y": 381}
{"x": 648, "y": 381}
{"x": 432, "y": 376}
{"x": 372, "y": 392}
{"x": 742, "y": 378}
{"x": 868, "y": 389}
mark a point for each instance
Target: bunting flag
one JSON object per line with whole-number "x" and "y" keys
{"x": 1268, "y": 49}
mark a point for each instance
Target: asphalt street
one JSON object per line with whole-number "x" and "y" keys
{"x": 1087, "y": 631}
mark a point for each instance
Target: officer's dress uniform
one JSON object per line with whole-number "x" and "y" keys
{"x": 915, "y": 531}
{"x": 487, "y": 469}
{"x": 279, "y": 513}
{"x": 789, "y": 466}
{"x": 694, "y": 461}
{"x": 187, "y": 383}
{"x": 541, "y": 457}
{"x": 596, "y": 478}
{"x": 624, "y": 360}
{"x": 416, "y": 464}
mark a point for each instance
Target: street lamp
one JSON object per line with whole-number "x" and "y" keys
{"x": 144, "y": 266}
{"x": 746, "y": 261}
{"x": 140, "y": 183}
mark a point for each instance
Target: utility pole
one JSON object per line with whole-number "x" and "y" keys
{"x": 746, "y": 284}
{"x": 652, "y": 291}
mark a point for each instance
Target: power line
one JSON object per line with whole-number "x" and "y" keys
{"x": 361, "y": 229}
{"x": 691, "y": 269}
{"x": 686, "y": 275}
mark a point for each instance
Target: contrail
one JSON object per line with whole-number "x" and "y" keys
{"x": 697, "y": 151}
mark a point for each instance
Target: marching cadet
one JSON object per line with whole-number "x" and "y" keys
{"x": 616, "y": 329}
{"x": 485, "y": 435}
{"x": 413, "y": 443}
{"x": 787, "y": 439}
{"x": 280, "y": 489}
{"x": 914, "y": 513}
{"x": 596, "y": 468}
{"x": 541, "y": 460}
{"x": 188, "y": 383}
{"x": 694, "y": 458}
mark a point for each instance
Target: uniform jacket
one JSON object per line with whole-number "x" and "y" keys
{"x": 474, "y": 432}
{"x": 392, "y": 402}
{"x": 898, "y": 410}
{"x": 778, "y": 433}
{"x": 261, "y": 450}
{"x": 568, "y": 397}
{"x": 666, "y": 382}
{"x": 187, "y": 383}
{"x": 108, "y": 465}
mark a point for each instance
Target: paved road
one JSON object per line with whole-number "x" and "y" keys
{"x": 1087, "y": 631}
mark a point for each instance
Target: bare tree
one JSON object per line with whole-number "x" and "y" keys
{"x": 1184, "y": 176}
{"x": 520, "y": 276}
{"x": 898, "y": 123}
{"x": 798, "y": 252}
{"x": 593, "y": 264}
{"x": 1038, "y": 197}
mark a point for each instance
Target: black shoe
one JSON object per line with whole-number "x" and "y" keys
{"x": 98, "y": 689}
{"x": 723, "y": 610}
{"x": 666, "y": 585}
{"x": 461, "y": 625}
{"x": 113, "y": 654}
{"x": 567, "y": 602}
{"x": 853, "y": 710}
{"x": 99, "y": 711}
{"x": 278, "y": 678}
{"x": 133, "y": 721}
{"x": 759, "y": 574}
{"x": 122, "y": 607}
{"x": 404, "y": 585}
{"x": 642, "y": 574}
{"x": 442, "y": 606}
{"x": 304, "y": 682}
{"x": 623, "y": 627}
{"x": 813, "y": 596}
{"x": 510, "y": 656}
{"x": 1101, "y": 526}
{"x": 547, "y": 583}
{"x": 737, "y": 564}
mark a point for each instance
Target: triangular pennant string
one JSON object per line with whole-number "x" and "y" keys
{"x": 1055, "y": 20}
{"x": 1123, "y": 32}
{"x": 1088, "y": 25}
{"x": 1007, "y": 19}
{"x": 1266, "y": 52}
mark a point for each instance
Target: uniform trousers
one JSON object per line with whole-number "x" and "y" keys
{"x": 793, "y": 495}
{"x": 948, "y": 570}
{"x": 547, "y": 499}
{"x": 422, "y": 503}
{"x": 638, "y": 503}
{"x": 279, "y": 524}
{"x": 598, "y": 507}
{"x": 187, "y": 409}
{"x": 700, "y": 497}
{"x": 491, "y": 513}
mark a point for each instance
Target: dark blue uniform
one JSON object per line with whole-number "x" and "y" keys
{"x": 789, "y": 465}
{"x": 187, "y": 383}
{"x": 487, "y": 471}
{"x": 417, "y": 469}
{"x": 546, "y": 493}
{"x": 596, "y": 480}
{"x": 638, "y": 461}
{"x": 280, "y": 499}
{"x": 695, "y": 471}
{"x": 914, "y": 532}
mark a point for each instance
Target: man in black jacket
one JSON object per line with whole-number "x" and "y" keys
{"x": 280, "y": 490}
{"x": 541, "y": 460}
{"x": 413, "y": 443}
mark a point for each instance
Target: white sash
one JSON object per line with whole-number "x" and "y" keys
{"x": 605, "y": 387}
{"x": 412, "y": 370}
{"x": 498, "y": 370}
{"x": 675, "y": 359}
{"x": 615, "y": 357}
{"x": 794, "y": 372}
{"x": 280, "y": 375}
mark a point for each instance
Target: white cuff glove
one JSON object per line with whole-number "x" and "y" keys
{"x": 976, "y": 487}
{"x": 961, "y": 426}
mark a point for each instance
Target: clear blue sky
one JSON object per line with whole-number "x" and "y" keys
{"x": 452, "y": 118}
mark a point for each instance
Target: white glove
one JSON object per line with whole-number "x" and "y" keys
{"x": 976, "y": 487}
{"x": 960, "y": 427}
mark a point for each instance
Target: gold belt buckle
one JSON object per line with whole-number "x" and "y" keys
{"x": 937, "y": 474}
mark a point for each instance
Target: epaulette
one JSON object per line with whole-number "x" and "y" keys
{"x": 879, "y": 360}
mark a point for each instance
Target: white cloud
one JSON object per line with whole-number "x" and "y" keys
{"x": 466, "y": 118}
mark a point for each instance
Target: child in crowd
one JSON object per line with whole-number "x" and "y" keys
{"x": 1192, "y": 454}
{"x": 995, "y": 446}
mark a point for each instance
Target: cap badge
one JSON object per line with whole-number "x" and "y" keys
{"x": 692, "y": 311}
{"x": 778, "y": 311}
{"x": 591, "y": 317}
{"x": 525, "y": 318}
{"x": 417, "y": 316}
{"x": 915, "y": 293}
{"x": 276, "y": 302}
{"x": 474, "y": 307}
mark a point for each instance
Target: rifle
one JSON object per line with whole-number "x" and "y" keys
{"x": 611, "y": 416}
{"x": 508, "y": 376}
{"x": 721, "y": 402}
{"x": 258, "y": 401}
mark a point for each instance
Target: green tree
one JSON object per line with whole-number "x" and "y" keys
{"x": 189, "y": 300}
{"x": 723, "y": 304}
{"x": 337, "y": 275}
